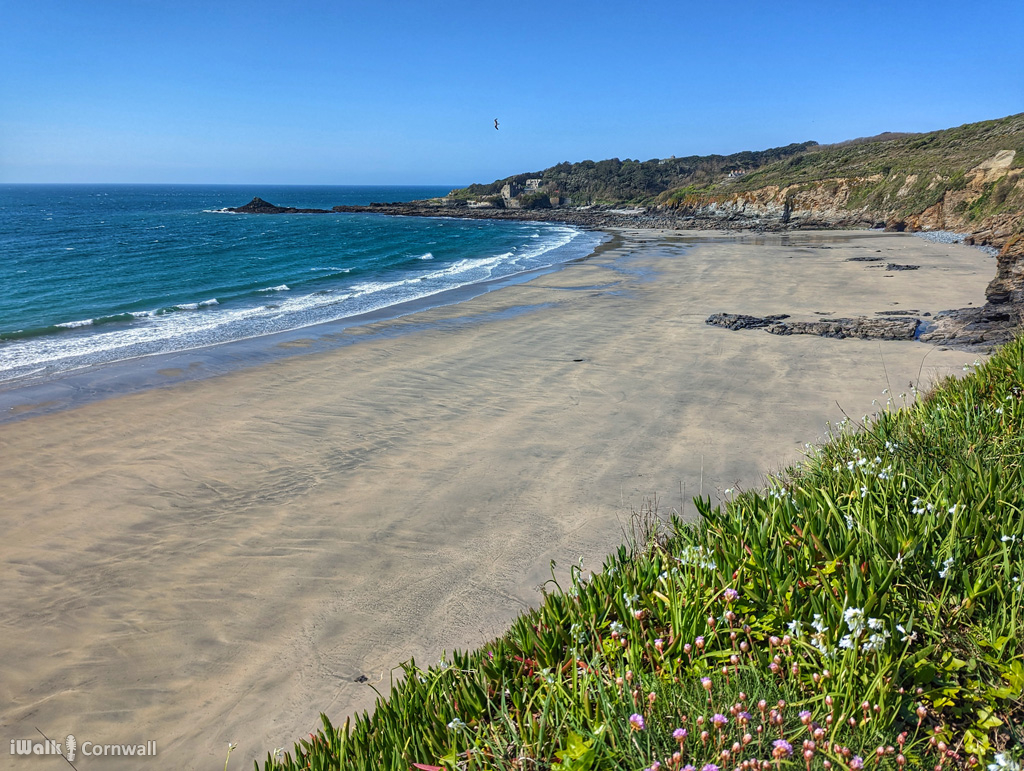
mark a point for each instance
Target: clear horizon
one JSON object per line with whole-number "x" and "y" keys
{"x": 406, "y": 94}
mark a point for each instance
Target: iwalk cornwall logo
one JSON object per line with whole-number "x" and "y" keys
{"x": 71, "y": 749}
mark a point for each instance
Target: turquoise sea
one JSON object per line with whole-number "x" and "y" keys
{"x": 93, "y": 274}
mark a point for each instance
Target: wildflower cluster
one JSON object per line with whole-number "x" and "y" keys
{"x": 760, "y": 736}
{"x": 869, "y": 466}
{"x": 857, "y": 624}
{"x": 696, "y": 556}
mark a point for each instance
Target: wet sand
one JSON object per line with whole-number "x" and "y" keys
{"x": 220, "y": 560}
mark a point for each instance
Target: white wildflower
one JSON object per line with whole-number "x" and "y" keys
{"x": 945, "y": 568}
{"x": 696, "y": 556}
{"x": 854, "y": 618}
{"x": 1003, "y": 762}
{"x": 876, "y": 641}
{"x": 907, "y": 636}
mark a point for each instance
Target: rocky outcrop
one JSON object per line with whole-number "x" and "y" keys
{"x": 970, "y": 329}
{"x": 259, "y": 206}
{"x": 975, "y": 329}
{"x": 736, "y": 321}
{"x": 863, "y": 327}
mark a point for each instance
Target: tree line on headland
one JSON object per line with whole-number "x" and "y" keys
{"x": 614, "y": 180}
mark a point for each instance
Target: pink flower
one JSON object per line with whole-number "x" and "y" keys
{"x": 781, "y": 749}
{"x": 636, "y": 722}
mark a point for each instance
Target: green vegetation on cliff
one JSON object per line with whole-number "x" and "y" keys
{"x": 948, "y": 153}
{"x": 615, "y": 181}
{"x": 865, "y": 610}
{"x": 909, "y": 174}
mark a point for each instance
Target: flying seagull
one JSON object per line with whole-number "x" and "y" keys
{"x": 495, "y": 124}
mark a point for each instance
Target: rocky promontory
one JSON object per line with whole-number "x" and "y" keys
{"x": 258, "y": 206}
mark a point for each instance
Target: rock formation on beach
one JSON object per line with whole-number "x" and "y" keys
{"x": 864, "y": 327}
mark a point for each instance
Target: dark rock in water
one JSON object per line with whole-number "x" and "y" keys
{"x": 907, "y": 312}
{"x": 739, "y": 321}
{"x": 259, "y": 206}
{"x": 894, "y": 266}
{"x": 863, "y": 259}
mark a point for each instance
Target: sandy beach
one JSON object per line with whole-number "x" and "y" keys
{"x": 220, "y": 560}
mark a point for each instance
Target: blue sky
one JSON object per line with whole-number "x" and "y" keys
{"x": 392, "y": 92}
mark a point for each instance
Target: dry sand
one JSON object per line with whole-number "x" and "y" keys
{"x": 220, "y": 560}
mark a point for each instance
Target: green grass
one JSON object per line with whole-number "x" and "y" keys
{"x": 946, "y": 153}
{"x": 864, "y": 609}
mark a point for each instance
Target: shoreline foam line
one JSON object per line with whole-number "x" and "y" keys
{"x": 162, "y": 331}
{"x": 41, "y": 391}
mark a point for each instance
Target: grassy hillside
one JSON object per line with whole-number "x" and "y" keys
{"x": 923, "y": 166}
{"x": 614, "y": 181}
{"x": 941, "y": 152}
{"x": 863, "y": 610}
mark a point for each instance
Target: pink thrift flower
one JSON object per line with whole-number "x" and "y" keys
{"x": 781, "y": 749}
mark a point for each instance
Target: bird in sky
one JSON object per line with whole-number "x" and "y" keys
{"x": 495, "y": 124}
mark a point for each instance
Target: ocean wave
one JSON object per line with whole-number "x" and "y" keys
{"x": 75, "y": 324}
{"x": 427, "y": 256}
{"x": 175, "y": 327}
